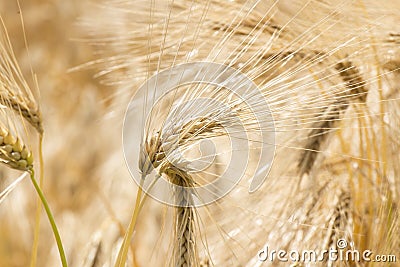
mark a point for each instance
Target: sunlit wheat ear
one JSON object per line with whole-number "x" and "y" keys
{"x": 13, "y": 152}
{"x": 184, "y": 243}
{"x": 156, "y": 154}
{"x": 185, "y": 247}
{"x": 14, "y": 90}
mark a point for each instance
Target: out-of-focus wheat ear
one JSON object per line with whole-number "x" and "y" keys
{"x": 392, "y": 65}
{"x": 15, "y": 93}
{"x": 356, "y": 91}
{"x": 318, "y": 134}
{"x": 185, "y": 249}
{"x": 13, "y": 152}
{"x": 340, "y": 221}
{"x": 353, "y": 81}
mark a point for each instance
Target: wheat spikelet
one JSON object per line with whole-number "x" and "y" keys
{"x": 185, "y": 248}
{"x": 13, "y": 152}
{"x": 178, "y": 134}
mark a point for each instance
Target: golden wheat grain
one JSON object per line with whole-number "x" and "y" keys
{"x": 13, "y": 152}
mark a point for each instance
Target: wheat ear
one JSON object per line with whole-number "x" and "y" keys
{"x": 355, "y": 92}
{"x": 185, "y": 253}
{"x": 154, "y": 156}
{"x": 14, "y": 90}
{"x": 13, "y": 152}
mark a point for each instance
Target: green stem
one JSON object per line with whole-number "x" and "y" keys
{"x": 51, "y": 220}
{"x": 36, "y": 233}
{"x": 35, "y": 244}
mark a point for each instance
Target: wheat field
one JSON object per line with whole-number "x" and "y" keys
{"x": 327, "y": 99}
